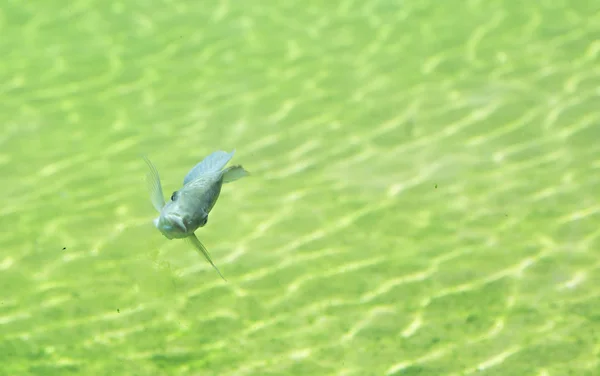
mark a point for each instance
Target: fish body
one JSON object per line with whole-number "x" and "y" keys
{"x": 189, "y": 207}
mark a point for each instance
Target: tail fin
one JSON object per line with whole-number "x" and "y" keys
{"x": 234, "y": 173}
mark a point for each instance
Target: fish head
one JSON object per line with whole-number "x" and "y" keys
{"x": 172, "y": 226}
{"x": 173, "y": 222}
{"x": 182, "y": 215}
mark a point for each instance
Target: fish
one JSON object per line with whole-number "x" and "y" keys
{"x": 189, "y": 207}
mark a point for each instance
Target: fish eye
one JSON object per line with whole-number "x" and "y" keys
{"x": 174, "y": 196}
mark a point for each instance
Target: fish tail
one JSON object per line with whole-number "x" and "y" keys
{"x": 234, "y": 173}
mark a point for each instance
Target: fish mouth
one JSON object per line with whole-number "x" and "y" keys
{"x": 178, "y": 222}
{"x": 171, "y": 226}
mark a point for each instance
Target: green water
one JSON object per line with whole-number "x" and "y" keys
{"x": 424, "y": 197}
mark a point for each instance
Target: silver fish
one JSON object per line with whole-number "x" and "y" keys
{"x": 189, "y": 206}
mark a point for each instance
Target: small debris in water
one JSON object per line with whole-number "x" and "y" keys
{"x": 64, "y": 248}
{"x": 436, "y": 186}
{"x": 118, "y": 311}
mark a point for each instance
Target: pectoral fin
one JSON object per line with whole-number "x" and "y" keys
{"x": 154, "y": 186}
{"x": 202, "y": 249}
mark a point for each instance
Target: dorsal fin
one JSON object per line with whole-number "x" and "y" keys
{"x": 212, "y": 163}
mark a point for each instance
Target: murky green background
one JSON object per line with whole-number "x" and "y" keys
{"x": 424, "y": 198}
